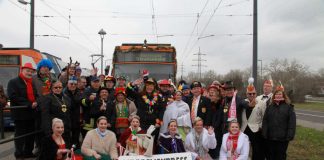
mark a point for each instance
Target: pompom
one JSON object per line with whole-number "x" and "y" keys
{"x": 251, "y": 80}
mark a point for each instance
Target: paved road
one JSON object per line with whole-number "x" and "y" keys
{"x": 310, "y": 119}
{"x": 312, "y": 116}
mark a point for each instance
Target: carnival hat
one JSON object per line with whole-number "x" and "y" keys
{"x": 28, "y": 66}
{"x": 119, "y": 90}
{"x": 228, "y": 85}
{"x": 110, "y": 78}
{"x": 250, "y": 88}
{"x": 45, "y": 63}
{"x": 195, "y": 84}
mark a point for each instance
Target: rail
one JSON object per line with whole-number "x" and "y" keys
{"x": 2, "y": 118}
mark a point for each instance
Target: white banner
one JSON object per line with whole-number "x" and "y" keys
{"x": 173, "y": 156}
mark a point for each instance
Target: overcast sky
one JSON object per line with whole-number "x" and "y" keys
{"x": 287, "y": 29}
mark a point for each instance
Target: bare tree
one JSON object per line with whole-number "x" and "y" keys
{"x": 295, "y": 77}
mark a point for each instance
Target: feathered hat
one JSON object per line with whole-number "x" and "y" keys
{"x": 268, "y": 81}
{"x": 280, "y": 87}
{"x": 250, "y": 87}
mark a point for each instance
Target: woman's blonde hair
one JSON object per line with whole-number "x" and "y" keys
{"x": 55, "y": 121}
{"x": 197, "y": 119}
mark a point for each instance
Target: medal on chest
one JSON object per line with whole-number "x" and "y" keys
{"x": 64, "y": 108}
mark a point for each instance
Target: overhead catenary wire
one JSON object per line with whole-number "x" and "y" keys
{"x": 73, "y": 25}
{"x": 204, "y": 28}
{"x": 59, "y": 33}
{"x": 154, "y": 26}
{"x": 194, "y": 28}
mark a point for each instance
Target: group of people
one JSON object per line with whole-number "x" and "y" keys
{"x": 145, "y": 117}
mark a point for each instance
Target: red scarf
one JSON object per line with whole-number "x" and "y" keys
{"x": 231, "y": 144}
{"x": 30, "y": 91}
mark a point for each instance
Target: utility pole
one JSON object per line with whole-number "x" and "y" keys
{"x": 255, "y": 43}
{"x": 182, "y": 69}
{"x": 32, "y": 21}
{"x": 199, "y": 60}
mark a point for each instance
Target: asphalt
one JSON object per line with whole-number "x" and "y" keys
{"x": 310, "y": 119}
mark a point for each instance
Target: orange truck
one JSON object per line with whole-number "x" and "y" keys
{"x": 130, "y": 59}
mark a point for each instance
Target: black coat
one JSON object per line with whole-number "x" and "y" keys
{"x": 147, "y": 117}
{"x": 109, "y": 113}
{"x": 217, "y": 117}
{"x": 279, "y": 122}
{"x": 49, "y": 149}
{"x": 52, "y": 108}
{"x": 75, "y": 107}
{"x": 86, "y": 103}
{"x": 204, "y": 109}
{"x": 17, "y": 93}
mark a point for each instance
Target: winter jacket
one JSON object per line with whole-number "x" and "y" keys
{"x": 279, "y": 122}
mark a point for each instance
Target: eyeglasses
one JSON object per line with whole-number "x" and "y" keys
{"x": 72, "y": 83}
{"x": 251, "y": 94}
{"x": 57, "y": 87}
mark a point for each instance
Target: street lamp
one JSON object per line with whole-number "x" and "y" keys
{"x": 102, "y": 33}
{"x": 32, "y": 21}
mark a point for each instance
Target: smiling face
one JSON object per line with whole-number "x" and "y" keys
{"x": 229, "y": 92}
{"x": 196, "y": 91}
{"x": 149, "y": 87}
{"x": 58, "y": 129}
{"x": 103, "y": 94}
{"x": 72, "y": 86}
{"x": 173, "y": 127}
{"x": 121, "y": 82}
{"x": 251, "y": 95}
{"x": 164, "y": 88}
{"x": 178, "y": 96}
{"x": 267, "y": 89}
{"x": 28, "y": 73}
{"x": 199, "y": 126}
{"x": 279, "y": 96}
{"x": 102, "y": 125}
{"x": 95, "y": 84}
{"x": 110, "y": 84}
{"x": 120, "y": 97}
{"x": 43, "y": 71}
{"x": 234, "y": 128}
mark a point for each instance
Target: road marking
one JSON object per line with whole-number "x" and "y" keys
{"x": 303, "y": 110}
{"x": 305, "y": 114}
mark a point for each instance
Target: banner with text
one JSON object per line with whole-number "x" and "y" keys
{"x": 173, "y": 156}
